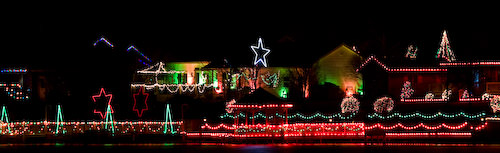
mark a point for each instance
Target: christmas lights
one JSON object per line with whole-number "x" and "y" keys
{"x": 480, "y": 63}
{"x": 495, "y": 103}
{"x": 297, "y": 115}
{"x": 102, "y": 94}
{"x": 59, "y": 119}
{"x": 109, "y": 118}
{"x": 13, "y": 71}
{"x": 429, "y": 96}
{"x": 420, "y": 125}
{"x": 132, "y": 47}
{"x": 262, "y": 106}
{"x": 427, "y": 116}
{"x": 15, "y": 91}
{"x": 407, "y": 90}
{"x": 271, "y": 80}
{"x": 444, "y": 50}
{"x": 424, "y": 100}
{"x": 105, "y": 40}
{"x": 430, "y": 134}
{"x": 384, "y": 104}
{"x": 160, "y": 70}
{"x": 411, "y": 52}
{"x": 79, "y": 127}
{"x": 418, "y": 70}
{"x": 486, "y": 96}
{"x": 349, "y": 105}
{"x": 141, "y": 92}
{"x": 465, "y": 95}
{"x": 168, "y": 121}
{"x": 174, "y": 88}
{"x": 232, "y": 102}
{"x": 446, "y": 94}
{"x": 260, "y": 53}
{"x": 5, "y": 118}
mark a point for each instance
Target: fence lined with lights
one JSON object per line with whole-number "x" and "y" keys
{"x": 287, "y": 130}
{"x": 429, "y": 134}
{"x": 50, "y": 128}
{"x": 427, "y": 127}
{"x": 427, "y": 116}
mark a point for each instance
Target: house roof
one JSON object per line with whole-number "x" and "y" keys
{"x": 260, "y": 96}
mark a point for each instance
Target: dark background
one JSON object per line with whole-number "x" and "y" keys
{"x": 58, "y": 40}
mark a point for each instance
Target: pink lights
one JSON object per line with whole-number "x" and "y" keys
{"x": 492, "y": 63}
{"x": 429, "y": 134}
{"x": 470, "y": 99}
{"x": 424, "y": 100}
{"x": 442, "y": 125}
{"x": 262, "y": 106}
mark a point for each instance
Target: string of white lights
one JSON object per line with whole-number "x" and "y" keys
{"x": 160, "y": 70}
{"x": 174, "y": 88}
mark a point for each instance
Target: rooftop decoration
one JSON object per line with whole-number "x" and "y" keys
{"x": 260, "y": 53}
{"x": 444, "y": 50}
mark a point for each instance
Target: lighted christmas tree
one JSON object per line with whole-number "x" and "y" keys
{"x": 384, "y": 104}
{"x": 444, "y": 50}
{"x": 5, "y": 118}
{"x": 59, "y": 120}
{"x": 406, "y": 91}
{"x": 350, "y": 105}
{"x": 169, "y": 127}
{"x": 411, "y": 52}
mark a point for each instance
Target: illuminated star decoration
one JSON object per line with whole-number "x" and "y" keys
{"x": 102, "y": 94}
{"x": 105, "y": 40}
{"x": 260, "y": 53}
{"x": 141, "y": 92}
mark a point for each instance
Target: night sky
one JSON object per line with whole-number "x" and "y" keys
{"x": 59, "y": 41}
{"x": 296, "y": 35}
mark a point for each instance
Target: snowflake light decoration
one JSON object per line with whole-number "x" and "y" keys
{"x": 350, "y": 105}
{"x": 384, "y": 104}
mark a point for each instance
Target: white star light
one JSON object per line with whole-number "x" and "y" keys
{"x": 260, "y": 57}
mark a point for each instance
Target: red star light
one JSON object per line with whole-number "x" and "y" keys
{"x": 141, "y": 92}
{"x": 102, "y": 94}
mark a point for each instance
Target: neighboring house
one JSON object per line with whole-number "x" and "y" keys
{"x": 338, "y": 67}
